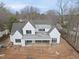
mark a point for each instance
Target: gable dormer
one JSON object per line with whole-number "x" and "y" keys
{"x": 28, "y": 28}
{"x": 17, "y": 35}
{"x": 55, "y": 35}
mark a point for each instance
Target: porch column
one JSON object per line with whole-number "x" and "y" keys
{"x": 33, "y": 41}
{"x": 23, "y": 42}
{"x": 50, "y": 41}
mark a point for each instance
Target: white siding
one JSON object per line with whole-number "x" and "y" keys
{"x": 46, "y": 29}
{"x": 28, "y": 26}
{"x": 23, "y": 42}
{"x": 16, "y": 35}
{"x": 55, "y": 34}
{"x": 33, "y": 41}
{"x": 42, "y": 26}
{"x": 11, "y": 38}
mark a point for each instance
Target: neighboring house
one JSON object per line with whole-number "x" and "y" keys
{"x": 3, "y": 31}
{"x": 34, "y": 32}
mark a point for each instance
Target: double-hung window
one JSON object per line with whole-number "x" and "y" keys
{"x": 41, "y": 29}
{"x": 28, "y": 31}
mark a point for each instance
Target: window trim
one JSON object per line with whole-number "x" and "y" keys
{"x": 16, "y": 40}
{"x": 28, "y": 42}
{"x": 41, "y": 29}
{"x": 42, "y": 41}
{"x": 28, "y": 31}
{"x": 54, "y": 40}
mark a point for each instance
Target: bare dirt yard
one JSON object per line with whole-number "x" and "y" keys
{"x": 61, "y": 51}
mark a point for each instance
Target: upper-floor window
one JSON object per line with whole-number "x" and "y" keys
{"x": 28, "y": 31}
{"x": 41, "y": 29}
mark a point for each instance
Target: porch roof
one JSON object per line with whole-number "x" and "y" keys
{"x": 37, "y": 36}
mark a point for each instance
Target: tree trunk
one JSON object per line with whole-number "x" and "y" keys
{"x": 76, "y": 35}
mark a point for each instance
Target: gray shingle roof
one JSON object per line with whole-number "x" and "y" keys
{"x": 51, "y": 29}
{"x": 37, "y": 36}
{"x": 19, "y": 26}
{"x": 49, "y": 22}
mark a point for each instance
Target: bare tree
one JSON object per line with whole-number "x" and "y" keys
{"x": 52, "y": 15}
{"x": 62, "y": 6}
{"x": 4, "y": 13}
{"x": 30, "y": 12}
{"x": 6, "y": 16}
{"x": 73, "y": 23}
{"x": 74, "y": 20}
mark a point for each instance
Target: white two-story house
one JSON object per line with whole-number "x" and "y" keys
{"x": 26, "y": 33}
